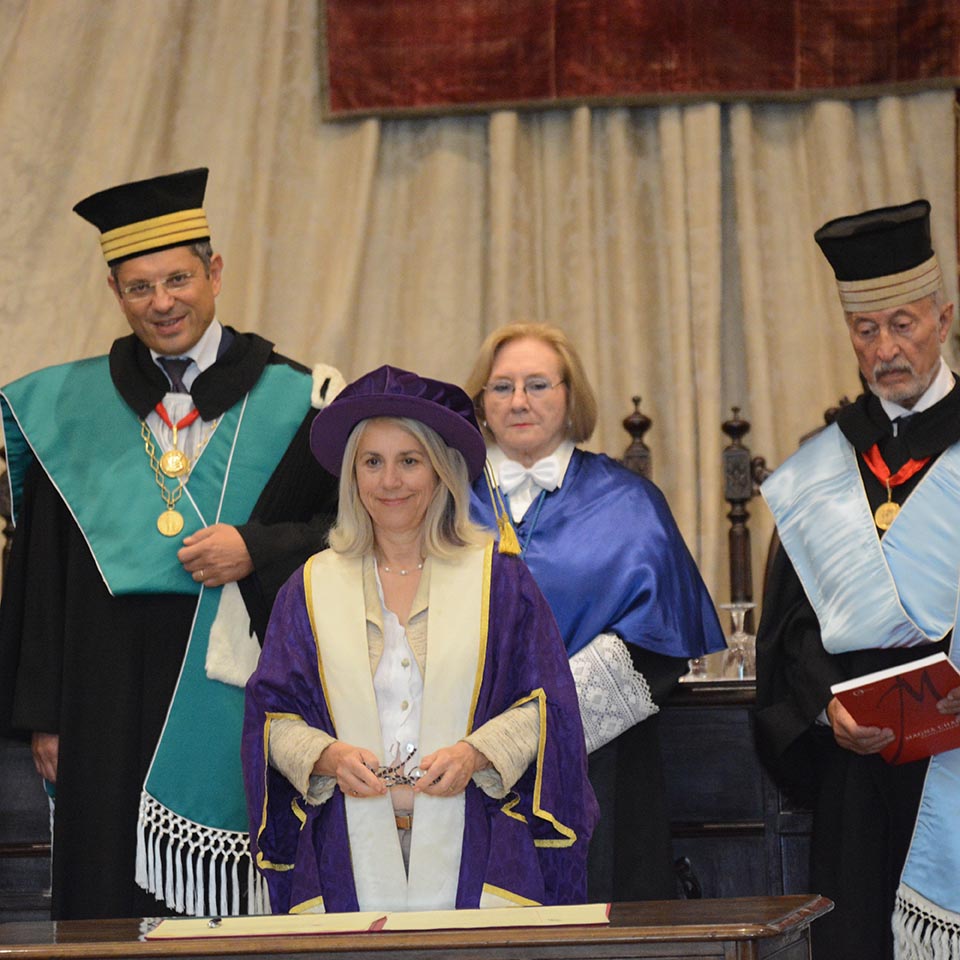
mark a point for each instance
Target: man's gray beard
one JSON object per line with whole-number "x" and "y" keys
{"x": 906, "y": 395}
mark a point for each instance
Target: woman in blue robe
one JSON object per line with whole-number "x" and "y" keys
{"x": 605, "y": 550}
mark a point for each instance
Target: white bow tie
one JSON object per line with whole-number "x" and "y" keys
{"x": 544, "y": 473}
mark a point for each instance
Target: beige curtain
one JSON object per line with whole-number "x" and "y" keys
{"x": 672, "y": 243}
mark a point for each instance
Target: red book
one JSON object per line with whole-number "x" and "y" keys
{"x": 904, "y": 699}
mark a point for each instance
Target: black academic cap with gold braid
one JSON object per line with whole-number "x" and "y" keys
{"x": 881, "y": 258}
{"x": 149, "y": 215}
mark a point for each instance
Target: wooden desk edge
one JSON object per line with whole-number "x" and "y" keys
{"x": 80, "y": 936}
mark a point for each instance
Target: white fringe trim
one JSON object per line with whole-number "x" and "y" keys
{"x": 922, "y": 930}
{"x": 195, "y": 869}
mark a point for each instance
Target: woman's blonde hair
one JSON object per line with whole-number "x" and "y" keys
{"x": 446, "y": 525}
{"x": 581, "y": 401}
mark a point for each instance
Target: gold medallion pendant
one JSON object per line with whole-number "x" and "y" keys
{"x": 174, "y": 463}
{"x": 170, "y": 522}
{"x": 885, "y": 514}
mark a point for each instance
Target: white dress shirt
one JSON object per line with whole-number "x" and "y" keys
{"x": 940, "y": 386}
{"x": 190, "y": 439}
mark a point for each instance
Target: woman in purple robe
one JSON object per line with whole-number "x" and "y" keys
{"x": 605, "y": 550}
{"x": 412, "y": 738}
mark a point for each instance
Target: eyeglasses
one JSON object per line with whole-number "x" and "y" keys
{"x": 533, "y": 387}
{"x": 395, "y": 774}
{"x": 142, "y": 290}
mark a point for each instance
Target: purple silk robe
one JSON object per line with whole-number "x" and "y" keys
{"x": 524, "y": 653}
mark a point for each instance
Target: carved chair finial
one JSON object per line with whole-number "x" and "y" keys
{"x": 637, "y": 456}
{"x": 738, "y": 489}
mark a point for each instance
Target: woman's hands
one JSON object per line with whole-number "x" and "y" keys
{"x": 447, "y": 771}
{"x": 353, "y": 769}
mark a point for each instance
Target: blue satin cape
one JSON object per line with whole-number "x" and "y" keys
{"x": 608, "y": 556}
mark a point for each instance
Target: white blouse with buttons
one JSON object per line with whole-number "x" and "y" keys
{"x": 398, "y": 684}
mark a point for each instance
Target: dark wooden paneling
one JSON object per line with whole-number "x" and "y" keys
{"x": 740, "y": 834}
{"x": 714, "y": 745}
{"x": 24, "y": 836}
{"x": 727, "y": 866}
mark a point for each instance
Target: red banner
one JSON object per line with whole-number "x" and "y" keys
{"x": 390, "y": 56}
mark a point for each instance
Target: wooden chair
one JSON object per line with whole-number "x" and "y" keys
{"x": 734, "y": 833}
{"x": 742, "y": 474}
{"x": 637, "y": 455}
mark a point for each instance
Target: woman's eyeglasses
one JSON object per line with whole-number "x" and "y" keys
{"x": 533, "y": 387}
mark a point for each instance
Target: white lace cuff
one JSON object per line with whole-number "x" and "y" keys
{"x": 613, "y": 696}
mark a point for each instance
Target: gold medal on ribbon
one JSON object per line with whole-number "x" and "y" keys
{"x": 174, "y": 463}
{"x": 885, "y": 514}
{"x": 170, "y": 522}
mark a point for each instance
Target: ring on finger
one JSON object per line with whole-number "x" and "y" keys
{"x": 200, "y": 571}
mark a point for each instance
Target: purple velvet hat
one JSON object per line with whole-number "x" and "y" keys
{"x": 392, "y": 392}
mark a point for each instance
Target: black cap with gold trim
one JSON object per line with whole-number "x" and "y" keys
{"x": 882, "y": 258}
{"x": 149, "y": 215}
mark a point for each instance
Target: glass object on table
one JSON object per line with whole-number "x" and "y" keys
{"x": 740, "y": 657}
{"x": 698, "y": 669}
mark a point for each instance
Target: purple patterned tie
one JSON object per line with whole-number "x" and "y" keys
{"x": 175, "y": 368}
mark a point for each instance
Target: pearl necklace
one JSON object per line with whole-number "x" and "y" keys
{"x": 401, "y": 571}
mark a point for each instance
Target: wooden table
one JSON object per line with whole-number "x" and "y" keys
{"x": 741, "y": 928}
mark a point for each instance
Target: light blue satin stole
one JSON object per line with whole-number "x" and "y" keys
{"x": 933, "y": 863}
{"x": 898, "y": 591}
